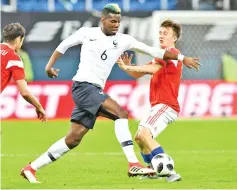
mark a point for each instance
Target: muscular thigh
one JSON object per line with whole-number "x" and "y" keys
{"x": 111, "y": 105}
{"x": 112, "y": 110}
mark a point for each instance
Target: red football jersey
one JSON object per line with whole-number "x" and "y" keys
{"x": 164, "y": 84}
{"x": 11, "y": 66}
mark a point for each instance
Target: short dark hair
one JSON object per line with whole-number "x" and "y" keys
{"x": 111, "y": 8}
{"x": 12, "y": 31}
{"x": 176, "y": 27}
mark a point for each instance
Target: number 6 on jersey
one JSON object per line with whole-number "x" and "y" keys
{"x": 104, "y": 55}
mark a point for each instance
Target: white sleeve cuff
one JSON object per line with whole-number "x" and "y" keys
{"x": 180, "y": 57}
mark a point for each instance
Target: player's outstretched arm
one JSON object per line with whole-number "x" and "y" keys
{"x": 189, "y": 62}
{"x": 72, "y": 40}
{"x": 127, "y": 61}
{"x": 142, "y": 69}
{"x": 28, "y": 96}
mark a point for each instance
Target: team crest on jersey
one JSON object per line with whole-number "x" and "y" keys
{"x": 115, "y": 43}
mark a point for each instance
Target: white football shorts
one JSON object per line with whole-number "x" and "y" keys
{"x": 158, "y": 118}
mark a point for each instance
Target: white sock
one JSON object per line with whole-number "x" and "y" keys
{"x": 55, "y": 151}
{"x": 125, "y": 139}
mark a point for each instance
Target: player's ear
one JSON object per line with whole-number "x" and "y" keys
{"x": 17, "y": 40}
{"x": 22, "y": 39}
{"x": 102, "y": 19}
{"x": 175, "y": 39}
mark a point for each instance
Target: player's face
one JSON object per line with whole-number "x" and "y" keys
{"x": 167, "y": 37}
{"x": 111, "y": 23}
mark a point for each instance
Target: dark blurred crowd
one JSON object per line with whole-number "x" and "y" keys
{"x": 128, "y": 5}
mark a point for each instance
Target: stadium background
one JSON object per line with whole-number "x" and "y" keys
{"x": 207, "y": 124}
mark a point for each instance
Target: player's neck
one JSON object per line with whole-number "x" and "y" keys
{"x": 169, "y": 46}
{"x": 102, "y": 30}
{"x": 9, "y": 45}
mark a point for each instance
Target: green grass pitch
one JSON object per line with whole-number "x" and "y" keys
{"x": 205, "y": 154}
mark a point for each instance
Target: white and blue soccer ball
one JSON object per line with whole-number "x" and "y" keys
{"x": 163, "y": 164}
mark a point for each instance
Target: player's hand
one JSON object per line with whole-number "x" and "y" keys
{"x": 121, "y": 63}
{"x": 41, "y": 114}
{"x": 191, "y": 62}
{"x": 51, "y": 72}
{"x": 127, "y": 60}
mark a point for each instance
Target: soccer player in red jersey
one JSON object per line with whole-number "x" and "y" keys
{"x": 164, "y": 88}
{"x": 12, "y": 67}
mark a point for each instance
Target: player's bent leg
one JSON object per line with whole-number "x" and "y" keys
{"x": 147, "y": 156}
{"x": 156, "y": 122}
{"x": 146, "y": 133}
{"x": 151, "y": 126}
{"x": 119, "y": 115}
{"x": 56, "y": 151}
{"x": 142, "y": 136}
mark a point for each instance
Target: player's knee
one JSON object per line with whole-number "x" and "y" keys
{"x": 75, "y": 135}
{"x": 142, "y": 135}
{"x": 137, "y": 139}
{"x": 139, "y": 143}
{"x": 73, "y": 140}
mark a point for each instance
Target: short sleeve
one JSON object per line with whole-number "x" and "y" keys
{"x": 15, "y": 66}
{"x": 73, "y": 40}
{"x": 18, "y": 73}
{"x": 176, "y": 51}
{"x": 162, "y": 62}
{"x": 14, "y": 61}
{"x": 173, "y": 50}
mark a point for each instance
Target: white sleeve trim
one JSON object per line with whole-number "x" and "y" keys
{"x": 12, "y": 63}
{"x": 175, "y": 62}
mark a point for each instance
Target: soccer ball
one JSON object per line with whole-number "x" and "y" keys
{"x": 163, "y": 164}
